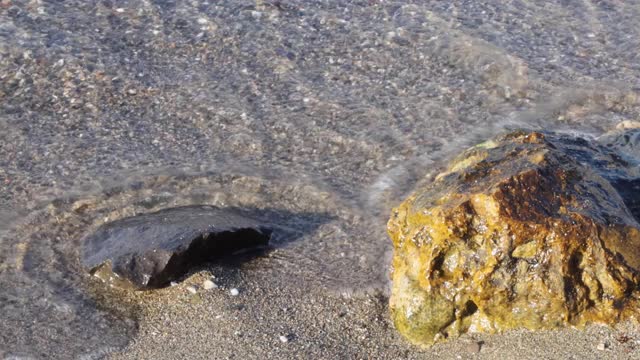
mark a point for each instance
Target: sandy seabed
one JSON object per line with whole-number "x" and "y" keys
{"x": 330, "y": 110}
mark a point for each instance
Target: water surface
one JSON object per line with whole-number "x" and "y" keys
{"x": 112, "y": 108}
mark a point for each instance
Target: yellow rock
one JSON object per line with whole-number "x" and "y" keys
{"x": 531, "y": 232}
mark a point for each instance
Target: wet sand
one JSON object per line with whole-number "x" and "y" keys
{"x": 214, "y": 324}
{"x": 329, "y": 110}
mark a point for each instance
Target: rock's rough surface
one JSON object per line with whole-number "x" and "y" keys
{"x": 149, "y": 251}
{"x": 530, "y": 230}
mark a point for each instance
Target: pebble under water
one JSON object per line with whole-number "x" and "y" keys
{"x": 330, "y": 111}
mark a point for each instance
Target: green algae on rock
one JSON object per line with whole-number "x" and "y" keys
{"x": 537, "y": 231}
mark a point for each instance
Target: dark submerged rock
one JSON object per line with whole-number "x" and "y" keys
{"x": 149, "y": 251}
{"x": 529, "y": 230}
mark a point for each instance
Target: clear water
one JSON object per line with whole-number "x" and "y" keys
{"x": 111, "y": 108}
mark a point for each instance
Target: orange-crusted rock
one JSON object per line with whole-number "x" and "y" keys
{"x": 529, "y": 230}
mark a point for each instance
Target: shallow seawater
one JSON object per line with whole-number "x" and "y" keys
{"x": 114, "y": 108}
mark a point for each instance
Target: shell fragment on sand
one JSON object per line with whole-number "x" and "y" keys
{"x": 208, "y": 285}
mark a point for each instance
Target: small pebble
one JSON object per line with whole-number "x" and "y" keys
{"x": 208, "y": 285}
{"x": 234, "y": 292}
{"x": 192, "y": 289}
{"x": 628, "y": 124}
{"x": 284, "y": 338}
{"x": 602, "y": 346}
{"x": 473, "y": 347}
